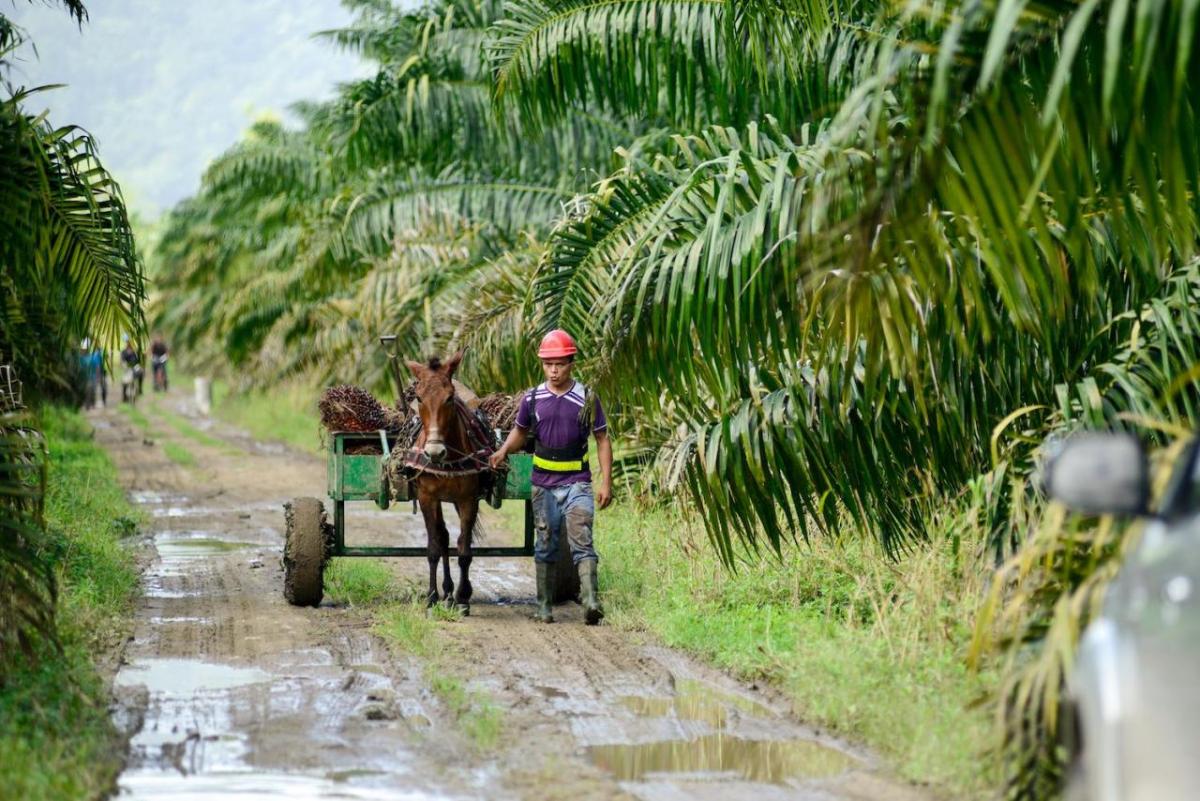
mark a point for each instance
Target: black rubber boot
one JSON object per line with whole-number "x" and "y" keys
{"x": 545, "y": 580}
{"x": 589, "y": 590}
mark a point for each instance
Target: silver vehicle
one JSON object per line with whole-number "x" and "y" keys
{"x": 1135, "y": 689}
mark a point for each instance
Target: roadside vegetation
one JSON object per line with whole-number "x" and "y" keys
{"x": 286, "y": 413}
{"x": 871, "y": 648}
{"x": 838, "y": 270}
{"x": 57, "y": 741}
{"x": 68, "y": 272}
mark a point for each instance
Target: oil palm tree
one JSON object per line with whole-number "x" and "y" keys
{"x": 69, "y": 270}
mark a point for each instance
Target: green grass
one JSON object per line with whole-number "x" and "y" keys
{"x": 478, "y": 717}
{"x": 179, "y": 454}
{"x": 412, "y": 629}
{"x": 401, "y": 619}
{"x": 188, "y": 430}
{"x": 56, "y": 739}
{"x": 287, "y": 414}
{"x": 355, "y": 581}
{"x": 872, "y": 649}
{"x": 136, "y": 417}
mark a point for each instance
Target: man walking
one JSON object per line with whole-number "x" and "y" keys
{"x": 560, "y": 416}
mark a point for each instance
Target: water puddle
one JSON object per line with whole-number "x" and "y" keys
{"x": 695, "y": 700}
{"x": 156, "y": 587}
{"x": 723, "y": 756}
{"x": 196, "y": 547}
{"x": 187, "y": 676}
{"x": 193, "y": 544}
{"x": 151, "y": 497}
{"x": 232, "y": 786}
{"x": 184, "y": 511}
{"x": 718, "y": 753}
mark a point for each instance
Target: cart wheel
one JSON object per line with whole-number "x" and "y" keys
{"x": 566, "y": 577}
{"x": 304, "y": 551}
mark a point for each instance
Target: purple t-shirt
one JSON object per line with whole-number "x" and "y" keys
{"x": 558, "y": 426}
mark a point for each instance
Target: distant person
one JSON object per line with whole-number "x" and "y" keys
{"x": 131, "y": 381}
{"x": 158, "y": 362}
{"x": 91, "y": 359}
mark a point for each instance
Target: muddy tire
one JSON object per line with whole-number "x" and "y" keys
{"x": 304, "y": 552}
{"x": 566, "y": 577}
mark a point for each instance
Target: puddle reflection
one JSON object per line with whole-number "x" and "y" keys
{"x": 186, "y": 676}
{"x": 718, "y": 754}
{"x": 695, "y": 700}
{"x": 769, "y": 761}
{"x": 197, "y": 546}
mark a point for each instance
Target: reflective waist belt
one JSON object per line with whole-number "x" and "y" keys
{"x": 560, "y": 460}
{"x": 559, "y": 466}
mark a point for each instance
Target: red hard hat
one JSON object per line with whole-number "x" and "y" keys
{"x": 556, "y": 344}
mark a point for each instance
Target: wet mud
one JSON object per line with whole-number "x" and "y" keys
{"x": 228, "y": 692}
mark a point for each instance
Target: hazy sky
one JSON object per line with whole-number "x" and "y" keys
{"x": 166, "y": 85}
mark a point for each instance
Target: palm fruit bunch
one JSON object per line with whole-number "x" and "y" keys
{"x": 501, "y": 409}
{"x": 350, "y": 408}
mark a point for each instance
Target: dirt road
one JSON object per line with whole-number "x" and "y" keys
{"x": 228, "y": 692}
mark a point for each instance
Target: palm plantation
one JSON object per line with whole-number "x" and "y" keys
{"x": 837, "y": 270}
{"x": 885, "y": 251}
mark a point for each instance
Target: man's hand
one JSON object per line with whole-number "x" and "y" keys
{"x": 497, "y": 458}
{"x": 603, "y": 495}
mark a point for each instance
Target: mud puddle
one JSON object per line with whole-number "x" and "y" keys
{"x": 718, "y": 754}
{"x": 722, "y": 756}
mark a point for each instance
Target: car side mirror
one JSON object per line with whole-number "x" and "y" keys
{"x": 1100, "y": 473}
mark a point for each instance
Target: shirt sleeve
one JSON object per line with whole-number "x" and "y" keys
{"x": 523, "y": 420}
{"x": 601, "y": 422}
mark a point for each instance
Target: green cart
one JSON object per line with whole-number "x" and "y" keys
{"x": 356, "y": 473}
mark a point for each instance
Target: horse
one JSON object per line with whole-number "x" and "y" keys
{"x": 449, "y": 461}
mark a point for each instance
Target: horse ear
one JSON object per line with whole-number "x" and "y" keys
{"x": 417, "y": 368}
{"x": 452, "y": 363}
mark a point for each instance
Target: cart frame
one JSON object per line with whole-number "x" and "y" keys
{"x": 360, "y": 477}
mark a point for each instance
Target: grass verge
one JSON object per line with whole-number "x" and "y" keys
{"x": 190, "y": 431}
{"x": 137, "y": 417}
{"x": 870, "y": 648}
{"x": 179, "y": 454}
{"x": 57, "y": 741}
{"x": 401, "y": 619}
{"x": 288, "y": 414}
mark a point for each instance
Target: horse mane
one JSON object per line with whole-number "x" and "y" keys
{"x": 435, "y": 363}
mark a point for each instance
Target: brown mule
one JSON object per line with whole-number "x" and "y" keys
{"x": 452, "y": 474}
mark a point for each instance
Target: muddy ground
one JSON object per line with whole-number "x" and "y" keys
{"x": 228, "y": 692}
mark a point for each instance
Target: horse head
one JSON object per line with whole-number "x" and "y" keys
{"x": 435, "y": 404}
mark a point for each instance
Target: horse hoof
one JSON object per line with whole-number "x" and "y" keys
{"x": 465, "y": 609}
{"x": 431, "y": 600}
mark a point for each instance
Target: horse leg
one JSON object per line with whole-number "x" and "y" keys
{"x": 468, "y": 512}
{"x": 444, "y": 546}
{"x": 430, "y": 510}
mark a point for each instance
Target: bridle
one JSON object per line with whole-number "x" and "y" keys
{"x": 480, "y": 438}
